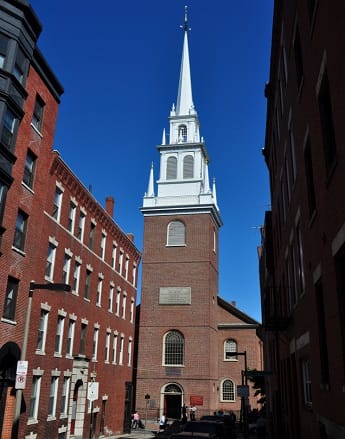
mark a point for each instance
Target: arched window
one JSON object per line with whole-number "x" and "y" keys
{"x": 228, "y": 391}
{"x": 230, "y": 346}
{"x": 176, "y": 233}
{"x": 188, "y": 165}
{"x": 171, "y": 168}
{"x": 182, "y": 134}
{"x": 173, "y": 348}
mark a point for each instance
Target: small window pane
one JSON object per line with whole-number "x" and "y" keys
{"x": 172, "y": 168}
{"x": 176, "y": 233}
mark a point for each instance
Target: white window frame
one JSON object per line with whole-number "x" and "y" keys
{"x": 232, "y": 392}
{"x": 176, "y": 237}
{"x": 230, "y": 345}
{"x": 118, "y": 299}
{"x": 107, "y": 346}
{"x": 50, "y": 261}
{"x": 121, "y": 262}
{"x": 95, "y": 343}
{"x": 52, "y": 399}
{"x": 35, "y": 396}
{"x": 111, "y": 298}
{"x": 42, "y": 329}
{"x": 126, "y": 267}
{"x": 131, "y": 319}
{"x": 306, "y": 381}
{"x": 59, "y": 333}
{"x": 115, "y": 341}
{"x": 66, "y": 269}
{"x": 70, "y": 336}
{"x": 124, "y": 304}
{"x": 103, "y": 244}
{"x": 129, "y": 351}
{"x": 122, "y": 344}
{"x": 76, "y": 277}
{"x": 99, "y": 290}
{"x": 113, "y": 256}
{"x": 81, "y": 225}
{"x": 65, "y": 395}
{"x": 72, "y": 216}
{"x": 57, "y": 203}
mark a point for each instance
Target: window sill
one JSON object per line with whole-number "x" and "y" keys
{"x": 57, "y": 355}
{"x": 36, "y": 130}
{"x": 40, "y": 353}
{"x": 9, "y": 321}
{"x": 32, "y": 421}
{"x": 28, "y": 188}
{"x": 63, "y": 416}
{"x": 18, "y": 250}
{"x": 51, "y": 418}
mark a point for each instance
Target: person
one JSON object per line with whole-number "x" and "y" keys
{"x": 136, "y": 420}
{"x": 184, "y": 414}
{"x": 192, "y": 413}
{"x": 261, "y": 427}
{"x": 162, "y": 422}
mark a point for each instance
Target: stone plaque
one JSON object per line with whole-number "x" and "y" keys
{"x": 175, "y": 296}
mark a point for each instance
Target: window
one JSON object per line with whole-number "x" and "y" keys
{"x": 298, "y": 58}
{"x": 95, "y": 343}
{"x": 126, "y": 267}
{"x": 134, "y": 274}
{"x": 66, "y": 269}
{"x": 70, "y": 337}
{"x": 35, "y": 396}
{"x": 118, "y": 298}
{"x": 176, "y": 233}
{"x": 8, "y": 129}
{"x": 59, "y": 334}
{"x": 64, "y": 395}
{"x": 173, "y": 349}
{"x": 37, "y": 117}
{"x": 3, "y": 49}
{"x": 113, "y": 256}
{"x": 103, "y": 242}
{"x": 42, "y": 331}
{"x": 309, "y": 175}
{"x": 129, "y": 352}
{"x": 10, "y": 301}
{"x": 124, "y": 302}
{"x": 322, "y": 330}
{"x": 57, "y": 204}
{"x": 121, "y": 261}
{"x": 230, "y": 346}
{"x": 19, "y": 67}
{"x": 92, "y": 235}
{"x": 71, "y": 216}
{"x": 122, "y": 342}
{"x": 52, "y": 396}
{"x": 327, "y": 126}
{"x": 300, "y": 267}
{"x": 29, "y": 170}
{"x": 81, "y": 226}
{"x": 228, "y": 390}
{"x": 115, "y": 347}
{"x": 50, "y": 261}
{"x": 182, "y": 134}
{"x": 306, "y": 380}
{"x": 107, "y": 347}
{"x": 111, "y": 298}
{"x": 131, "y": 317}
{"x": 188, "y": 166}
{"x": 99, "y": 291}
{"x": 3, "y": 192}
{"x": 171, "y": 168}
{"x": 20, "y": 231}
{"x": 82, "y": 343}
{"x": 76, "y": 277}
{"x": 87, "y": 284}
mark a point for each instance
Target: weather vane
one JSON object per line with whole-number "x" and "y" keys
{"x": 185, "y": 26}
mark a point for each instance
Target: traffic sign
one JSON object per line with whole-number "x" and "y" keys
{"x": 20, "y": 381}
{"x": 22, "y": 367}
{"x": 243, "y": 391}
{"x": 92, "y": 390}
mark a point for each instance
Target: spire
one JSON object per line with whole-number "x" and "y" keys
{"x": 206, "y": 179}
{"x": 150, "y": 188}
{"x": 184, "y": 96}
{"x": 214, "y": 193}
{"x": 163, "y": 137}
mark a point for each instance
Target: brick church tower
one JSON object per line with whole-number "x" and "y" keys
{"x": 177, "y": 348}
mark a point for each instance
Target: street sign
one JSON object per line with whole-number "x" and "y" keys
{"x": 22, "y": 367}
{"x": 20, "y": 381}
{"x": 92, "y": 390}
{"x": 243, "y": 391}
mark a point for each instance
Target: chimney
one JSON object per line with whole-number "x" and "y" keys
{"x": 233, "y": 303}
{"x": 130, "y": 236}
{"x": 109, "y": 206}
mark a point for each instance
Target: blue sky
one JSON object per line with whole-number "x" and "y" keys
{"x": 119, "y": 61}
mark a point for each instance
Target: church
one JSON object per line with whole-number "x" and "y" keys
{"x": 193, "y": 346}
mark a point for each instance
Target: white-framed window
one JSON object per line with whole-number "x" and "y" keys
{"x": 42, "y": 331}
{"x": 173, "y": 348}
{"x": 81, "y": 226}
{"x": 124, "y": 303}
{"x": 37, "y": 117}
{"x": 118, "y": 299}
{"x": 126, "y": 267}
{"x": 188, "y": 167}
{"x": 113, "y": 255}
{"x": 134, "y": 274}
{"x": 64, "y": 395}
{"x": 66, "y": 269}
{"x": 103, "y": 244}
{"x": 107, "y": 346}
{"x": 171, "y": 168}
{"x": 53, "y": 396}
{"x": 59, "y": 334}
{"x": 95, "y": 343}
{"x": 71, "y": 216}
{"x": 129, "y": 352}
{"x": 131, "y": 315}
{"x": 230, "y": 346}
{"x": 122, "y": 343}
{"x": 20, "y": 230}
{"x": 99, "y": 291}
{"x": 176, "y": 233}
{"x": 111, "y": 298}
{"x": 29, "y": 169}
{"x": 57, "y": 204}
{"x": 228, "y": 390}
{"x": 50, "y": 263}
{"x": 35, "y": 396}
{"x": 76, "y": 277}
{"x": 182, "y": 133}
{"x": 306, "y": 380}
{"x": 70, "y": 337}
{"x": 82, "y": 341}
{"x": 115, "y": 339}
{"x": 87, "y": 284}
{"x": 121, "y": 262}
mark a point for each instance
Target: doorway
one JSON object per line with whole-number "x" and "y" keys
{"x": 172, "y": 401}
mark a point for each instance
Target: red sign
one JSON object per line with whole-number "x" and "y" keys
{"x": 196, "y": 400}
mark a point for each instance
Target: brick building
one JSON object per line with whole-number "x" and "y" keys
{"x": 302, "y": 261}
{"x": 187, "y": 332}
{"x": 53, "y": 232}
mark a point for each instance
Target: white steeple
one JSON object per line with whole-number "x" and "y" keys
{"x": 183, "y": 183}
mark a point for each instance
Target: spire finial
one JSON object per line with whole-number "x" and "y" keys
{"x": 185, "y": 26}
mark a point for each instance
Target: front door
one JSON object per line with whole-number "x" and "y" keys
{"x": 173, "y": 404}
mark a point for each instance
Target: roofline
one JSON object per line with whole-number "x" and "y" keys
{"x": 238, "y": 313}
